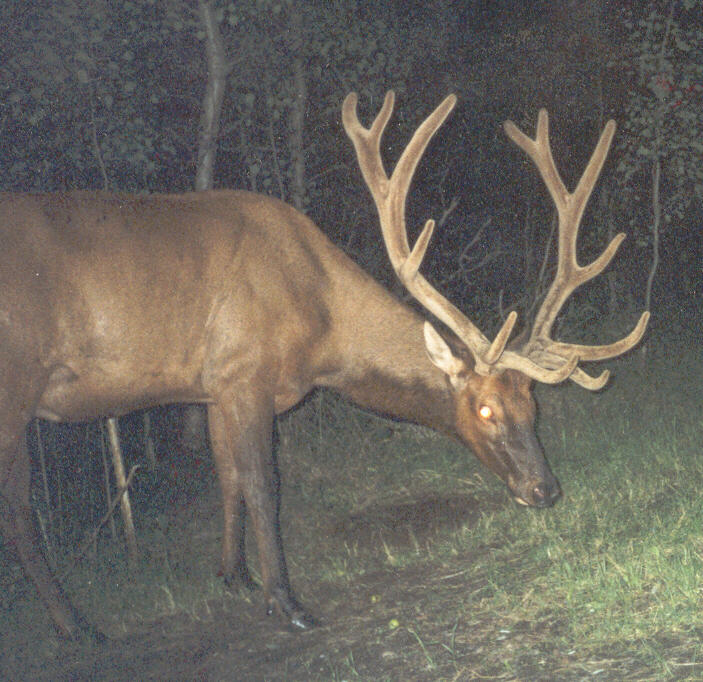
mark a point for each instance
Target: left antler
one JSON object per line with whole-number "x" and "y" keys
{"x": 570, "y": 207}
{"x": 389, "y": 195}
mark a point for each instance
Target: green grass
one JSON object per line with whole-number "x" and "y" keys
{"x": 617, "y": 564}
{"x": 606, "y": 583}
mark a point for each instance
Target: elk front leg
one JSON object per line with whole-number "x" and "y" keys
{"x": 241, "y": 441}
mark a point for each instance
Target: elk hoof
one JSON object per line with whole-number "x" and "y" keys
{"x": 298, "y": 618}
{"x": 303, "y": 621}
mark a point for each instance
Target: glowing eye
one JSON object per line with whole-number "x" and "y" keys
{"x": 485, "y": 412}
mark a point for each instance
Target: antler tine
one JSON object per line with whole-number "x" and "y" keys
{"x": 570, "y": 208}
{"x": 367, "y": 142}
{"x": 611, "y": 350}
{"x": 540, "y": 348}
{"x": 587, "y": 381}
{"x": 390, "y": 197}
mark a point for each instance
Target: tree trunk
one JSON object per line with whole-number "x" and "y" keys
{"x": 297, "y": 119}
{"x": 656, "y": 226}
{"x": 194, "y": 430}
{"x": 212, "y": 101}
{"x": 121, "y": 480}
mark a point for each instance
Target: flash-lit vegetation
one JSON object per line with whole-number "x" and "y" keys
{"x": 419, "y": 564}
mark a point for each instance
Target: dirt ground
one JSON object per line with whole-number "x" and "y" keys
{"x": 403, "y": 623}
{"x": 357, "y": 634}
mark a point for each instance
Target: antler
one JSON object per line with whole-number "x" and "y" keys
{"x": 570, "y": 275}
{"x": 389, "y": 196}
{"x": 541, "y": 359}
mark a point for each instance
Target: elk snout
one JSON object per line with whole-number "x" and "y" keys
{"x": 542, "y": 493}
{"x": 529, "y": 477}
{"x": 545, "y": 493}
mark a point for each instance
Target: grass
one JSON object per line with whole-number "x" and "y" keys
{"x": 607, "y": 584}
{"x": 616, "y": 566}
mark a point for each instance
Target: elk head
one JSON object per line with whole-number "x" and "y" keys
{"x": 491, "y": 383}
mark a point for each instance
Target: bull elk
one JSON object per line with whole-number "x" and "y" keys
{"x": 109, "y": 303}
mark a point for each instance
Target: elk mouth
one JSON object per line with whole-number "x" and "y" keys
{"x": 539, "y": 494}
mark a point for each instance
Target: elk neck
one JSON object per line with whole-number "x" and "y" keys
{"x": 380, "y": 358}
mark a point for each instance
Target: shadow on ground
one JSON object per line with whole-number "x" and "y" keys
{"x": 238, "y": 641}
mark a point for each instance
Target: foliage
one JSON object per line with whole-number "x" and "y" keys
{"x": 340, "y": 51}
{"x": 130, "y": 76}
{"x": 665, "y": 105}
{"x": 75, "y": 78}
{"x": 121, "y": 83}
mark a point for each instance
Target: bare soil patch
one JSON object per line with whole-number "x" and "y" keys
{"x": 404, "y": 522}
{"x": 422, "y": 621}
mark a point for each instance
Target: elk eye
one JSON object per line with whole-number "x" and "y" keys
{"x": 485, "y": 412}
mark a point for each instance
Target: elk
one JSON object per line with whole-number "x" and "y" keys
{"x": 110, "y": 303}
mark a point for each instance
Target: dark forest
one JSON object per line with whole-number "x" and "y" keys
{"x": 414, "y": 561}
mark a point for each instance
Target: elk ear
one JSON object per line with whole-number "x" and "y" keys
{"x": 442, "y": 356}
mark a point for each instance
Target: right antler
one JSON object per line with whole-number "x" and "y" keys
{"x": 541, "y": 358}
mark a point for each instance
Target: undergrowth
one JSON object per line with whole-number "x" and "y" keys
{"x": 607, "y": 582}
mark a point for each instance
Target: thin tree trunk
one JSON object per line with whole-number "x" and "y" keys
{"x": 656, "y": 225}
{"x": 46, "y": 533}
{"x": 193, "y": 436}
{"x": 121, "y": 479}
{"x": 656, "y": 170}
{"x": 212, "y": 101}
{"x": 298, "y": 111}
{"x": 606, "y": 209}
{"x": 45, "y": 479}
{"x": 148, "y": 442}
{"x": 193, "y": 432}
{"x": 106, "y": 480}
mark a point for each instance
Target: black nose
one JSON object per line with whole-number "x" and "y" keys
{"x": 545, "y": 494}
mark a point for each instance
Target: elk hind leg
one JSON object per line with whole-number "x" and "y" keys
{"x": 234, "y": 567}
